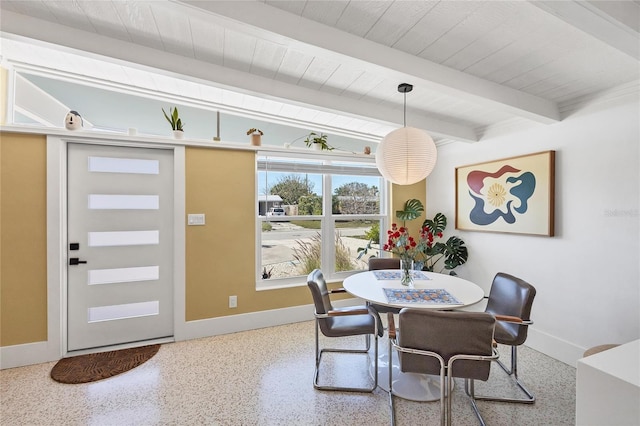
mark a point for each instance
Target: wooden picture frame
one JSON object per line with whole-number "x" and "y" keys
{"x": 513, "y": 195}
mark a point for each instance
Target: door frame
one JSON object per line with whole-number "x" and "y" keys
{"x": 57, "y": 237}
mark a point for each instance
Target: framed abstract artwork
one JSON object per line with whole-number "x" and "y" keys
{"x": 510, "y": 195}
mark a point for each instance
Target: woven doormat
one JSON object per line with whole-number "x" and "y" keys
{"x": 92, "y": 367}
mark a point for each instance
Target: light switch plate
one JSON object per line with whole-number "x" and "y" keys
{"x": 195, "y": 219}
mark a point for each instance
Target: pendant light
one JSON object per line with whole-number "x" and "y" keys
{"x": 406, "y": 155}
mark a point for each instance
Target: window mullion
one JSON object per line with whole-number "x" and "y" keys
{"x": 328, "y": 228}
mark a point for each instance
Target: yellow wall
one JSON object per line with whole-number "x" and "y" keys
{"x": 400, "y": 195}
{"x": 220, "y": 256}
{"x": 23, "y": 244}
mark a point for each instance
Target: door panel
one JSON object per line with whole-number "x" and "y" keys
{"x": 120, "y": 215}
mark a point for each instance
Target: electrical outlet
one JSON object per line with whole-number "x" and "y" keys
{"x": 233, "y": 301}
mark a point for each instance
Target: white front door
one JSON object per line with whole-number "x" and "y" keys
{"x": 120, "y": 253}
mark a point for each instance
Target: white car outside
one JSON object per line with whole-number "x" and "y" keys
{"x": 276, "y": 211}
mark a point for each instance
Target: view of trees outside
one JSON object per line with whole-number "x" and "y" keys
{"x": 292, "y": 246}
{"x": 357, "y": 198}
{"x": 292, "y": 187}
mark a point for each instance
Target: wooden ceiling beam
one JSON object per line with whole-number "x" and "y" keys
{"x": 326, "y": 42}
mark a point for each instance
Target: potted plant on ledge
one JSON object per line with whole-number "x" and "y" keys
{"x": 256, "y": 136}
{"x": 319, "y": 142}
{"x": 175, "y": 121}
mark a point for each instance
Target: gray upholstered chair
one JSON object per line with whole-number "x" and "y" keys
{"x": 510, "y": 301}
{"x": 342, "y": 322}
{"x": 444, "y": 343}
{"x": 377, "y": 263}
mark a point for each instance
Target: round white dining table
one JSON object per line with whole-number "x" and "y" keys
{"x": 371, "y": 285}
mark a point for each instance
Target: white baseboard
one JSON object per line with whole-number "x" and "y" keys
{"x": 27, "y": 354}
{"x": 39, "y": 352}
{"x": 252, "y": 320}
{"x": 554, "y": 347}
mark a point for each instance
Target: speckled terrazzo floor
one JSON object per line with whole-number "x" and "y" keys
{"x": 262, "y": 377}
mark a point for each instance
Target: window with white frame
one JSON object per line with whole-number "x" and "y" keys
{"x": 316, "y": 212}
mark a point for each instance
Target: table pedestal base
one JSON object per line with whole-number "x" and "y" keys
{"x": 412, "y": 386}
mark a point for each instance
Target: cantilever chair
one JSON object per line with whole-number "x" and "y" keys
{"x": 377, "y": 263}
{"x": 444, "y": 343}
{"x": 510, "y": 301}
{"x": 342, "y": 322}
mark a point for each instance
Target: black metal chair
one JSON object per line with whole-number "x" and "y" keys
{"x": 444, "y": 343}
{"x": 510, "y": 301}
{"x": 342, "y": 322}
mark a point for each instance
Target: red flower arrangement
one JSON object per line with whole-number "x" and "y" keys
{"x": 424, "y": 252}
{"x": 399, "y": 242}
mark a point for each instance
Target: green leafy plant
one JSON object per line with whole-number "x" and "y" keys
{"x": 412, "y": 210}
{"x": 453, "y": 252}
{"x": 374, "y": 232}
{"x": 173, "y": 119}
{"x": 253, "y": 130}
{"x": 321, "y": 139}
{"x": 426, "y": 251}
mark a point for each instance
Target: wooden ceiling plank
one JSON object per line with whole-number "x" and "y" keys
{"x": 267, "y": 58}
{"x": 434, "y": 25}
{"x": 238, "y": 50}
{"x": 293, "y": 66}
{"x": 474, "y": 26}
{"x": 399, "y": 19}
{"x": 537, "y": 39}
{"x": 341, "y": 79}
{"x": 174, "y": 30}
{"x": 37, "y": 9}
{"x": 317, "y": 73}
{"x": 208, "y": 41}
{"x": 295, "y": 6}
{"x": 70, "y": 14}
{"x": 139, "y": 23}
{"x": 359, "y": 17}
{"x": 326, "y": 12}
{"x": 598, "y": 22}
{"x": 497, "y": 39}
{"x": 105, "y": 19}
{"x": 389, "y": 63}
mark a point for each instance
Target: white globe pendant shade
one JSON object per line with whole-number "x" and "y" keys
{"x": 406, "y": 156}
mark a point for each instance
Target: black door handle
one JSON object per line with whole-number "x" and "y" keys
{"x": 76, "y": 261}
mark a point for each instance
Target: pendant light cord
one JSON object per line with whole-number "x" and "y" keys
{"x": 404, "y": 115}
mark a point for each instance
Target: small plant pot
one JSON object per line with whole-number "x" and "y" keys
{"x": 256, "y": 139}
{"x": 178, "y": 134}
{"x": 317, "y": 146}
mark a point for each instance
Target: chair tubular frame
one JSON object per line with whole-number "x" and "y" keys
{"x": 446, "y": 380}
{"x": 512, "y": 372}
{"x": 320, "y": 352}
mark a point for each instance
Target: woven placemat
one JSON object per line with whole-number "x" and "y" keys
{"x": 92, "y": 367}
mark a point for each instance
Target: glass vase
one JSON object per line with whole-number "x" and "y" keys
{"x": 406, "y": 266}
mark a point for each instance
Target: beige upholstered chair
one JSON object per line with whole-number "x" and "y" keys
{"x": 375, "y": 264}
{"x": 510, "y": 301}
{"x": 342, "y": 322}
{"x": 444, "y": 343}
